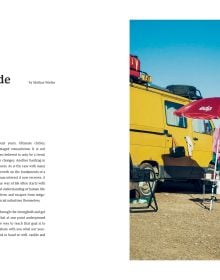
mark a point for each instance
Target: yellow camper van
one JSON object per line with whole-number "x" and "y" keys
{"x": 175, "y": 147}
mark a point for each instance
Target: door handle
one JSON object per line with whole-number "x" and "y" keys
{"x": 167, "y": 133}
{"x": 195, "y": 138}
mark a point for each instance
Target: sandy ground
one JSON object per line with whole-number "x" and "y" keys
{"x": 182, "y": 229}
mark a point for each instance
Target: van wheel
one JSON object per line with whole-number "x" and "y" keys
{"x": 144, "y": 187}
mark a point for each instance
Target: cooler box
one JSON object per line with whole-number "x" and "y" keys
{"x": 134, "y": 66}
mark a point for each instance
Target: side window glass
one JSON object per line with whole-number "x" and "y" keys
{"x": 198, "y": 126}
{"x": 208, "y": 127}
{"x": 172, "y": 119}
{"x": 202, "y": 126}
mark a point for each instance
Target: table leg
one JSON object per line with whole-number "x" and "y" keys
{"x": 203, "y": 192}
{"x": 212, "y": 197}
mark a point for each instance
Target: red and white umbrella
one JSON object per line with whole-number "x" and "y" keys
{"x": 206, "y": 109}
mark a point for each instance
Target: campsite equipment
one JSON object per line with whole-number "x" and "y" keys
{"x": 213, "y": 183}
{"x": 136, "y": 75}
{"x": 218, "y": 187}
{"x": 134, "y": 66}
{"x": 145, "y": 181}
{"x": 205, "y": 109}
{"x": 186, "y": 91}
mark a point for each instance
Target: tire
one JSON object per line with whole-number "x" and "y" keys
{"x": 144, "y": 187}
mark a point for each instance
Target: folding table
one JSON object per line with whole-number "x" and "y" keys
{"x": 213, "y": 184}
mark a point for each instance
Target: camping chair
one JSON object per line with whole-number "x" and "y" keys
{"x": 145, "y": 185}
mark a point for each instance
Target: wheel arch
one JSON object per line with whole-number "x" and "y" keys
{"x": 154, "y": 164}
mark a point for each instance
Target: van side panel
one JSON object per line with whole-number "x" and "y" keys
{"x": 147, "y": 137}
{"x": 202, "y": 144}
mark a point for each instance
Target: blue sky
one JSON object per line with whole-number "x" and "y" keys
{"x": 179, "y": 52}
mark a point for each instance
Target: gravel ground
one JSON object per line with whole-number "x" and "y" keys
{"x": 182, "y": 229}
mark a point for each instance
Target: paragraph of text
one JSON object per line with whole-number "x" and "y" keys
{"x": 22, "y": 171}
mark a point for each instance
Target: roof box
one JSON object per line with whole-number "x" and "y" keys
{"x": 186, "y": 91}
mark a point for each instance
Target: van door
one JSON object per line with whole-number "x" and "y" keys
{"x": 177, "y": 129}
{"x": 202, "y": 140}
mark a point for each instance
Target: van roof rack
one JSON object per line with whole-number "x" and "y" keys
{"x": 186, "y": 91}
{"x": 144, "y": 78}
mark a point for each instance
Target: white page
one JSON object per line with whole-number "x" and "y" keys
{"x": 35, "y": 46}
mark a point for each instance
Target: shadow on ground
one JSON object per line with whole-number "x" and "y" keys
{"x": 193, "y": 187}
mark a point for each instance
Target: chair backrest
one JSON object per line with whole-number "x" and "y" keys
{"x": 131, "y": 168}
{"x": 139, "y": 175}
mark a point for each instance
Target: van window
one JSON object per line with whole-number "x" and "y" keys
{"x": 202, "y": 126}
{"x": 172, "y": 119}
